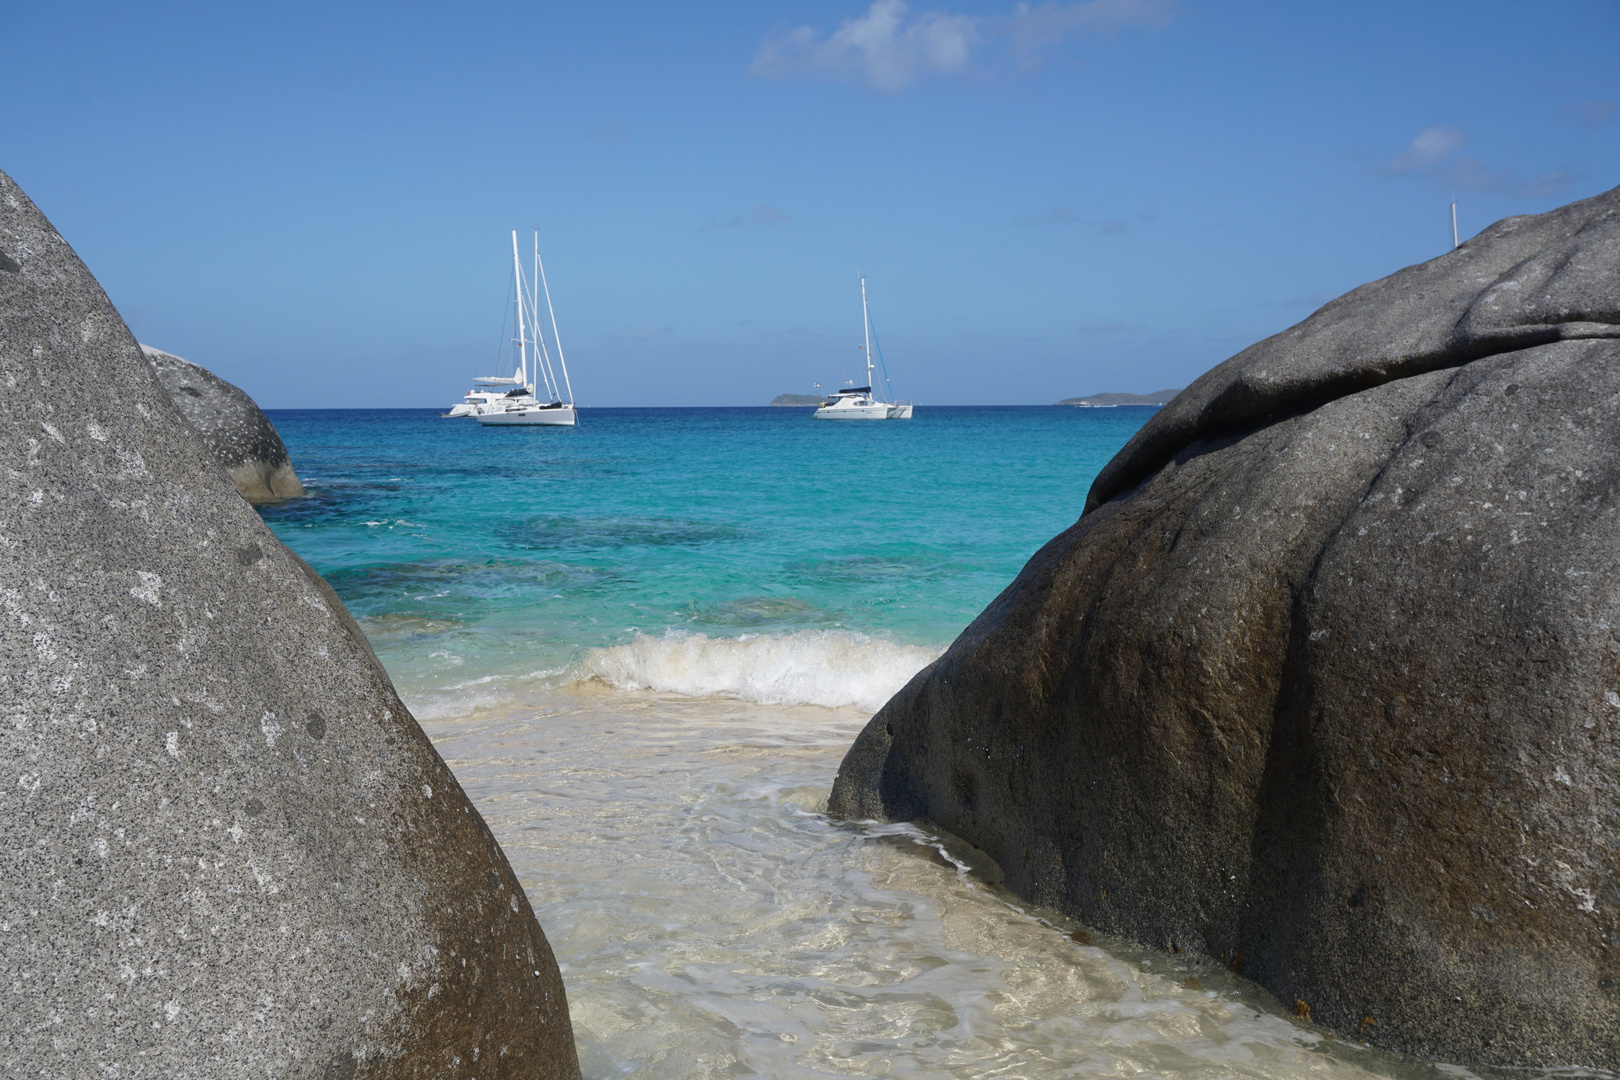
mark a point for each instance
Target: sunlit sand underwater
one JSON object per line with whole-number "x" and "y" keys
{"x": 711, "y": 921}
{"x": 644, "y": 646}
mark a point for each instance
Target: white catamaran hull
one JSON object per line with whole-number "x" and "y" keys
{"x": 862, "y": 402}
{"x": 840, "y": 411}
{"x": 863, "y": 409}
{"x": 477, "y": 401}
{"x": 563, "y": 416}
{"x": 519, "y": 406}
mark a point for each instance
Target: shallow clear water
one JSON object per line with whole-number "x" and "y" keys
{"x": 712, "y": 922}
{"x": 644, "y": 646}
{"x": 846, "y": 554}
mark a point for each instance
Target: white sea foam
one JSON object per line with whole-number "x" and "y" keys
{"x": 831, "y": 668}
{"x": 455, "y": 702}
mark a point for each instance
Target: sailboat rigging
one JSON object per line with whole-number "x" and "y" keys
{"x": 864, "y": 402}
{"x": 526, "y": 410}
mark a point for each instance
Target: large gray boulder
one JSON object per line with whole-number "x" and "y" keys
{"x": 228, "y": 850}
{"x": 1325, "y": 682}
{"x": 235, "y": 430}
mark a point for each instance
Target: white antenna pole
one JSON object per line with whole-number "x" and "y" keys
{"x": 867, "y": 322}
{"x": 555, "y": 336}
{"x": 517, "y": 277}
{"x": 1455, "y": 244}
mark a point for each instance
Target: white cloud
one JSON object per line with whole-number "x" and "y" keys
{"x": 890, "y": 49}
{"x": 1032, "y": 30}
{"x": 1433, "y": 153}
{"x": 883, "y": 48}
{"x": 1427, "y": 152}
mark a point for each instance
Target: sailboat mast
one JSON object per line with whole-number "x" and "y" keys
{"x": 542, "y": 356}
{"x": 555, "y": 336}
{"x": 517, "y": 278}
{"x": 867, "y": 323}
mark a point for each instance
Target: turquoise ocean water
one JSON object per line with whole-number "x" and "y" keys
{"x": 753, "y": 553}
{"x": 643, "y": 646}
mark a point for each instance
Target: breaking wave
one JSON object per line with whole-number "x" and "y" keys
{"x": 831, "y": 668}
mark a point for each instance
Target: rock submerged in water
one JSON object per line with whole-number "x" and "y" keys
{"x": 235, "y": 429}
{"x": 229, "y": 849}
{"x": 1325, "y": 682}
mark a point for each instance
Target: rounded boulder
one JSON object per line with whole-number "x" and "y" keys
{"x": 233, "y": 427}
{"x": 228, "y": 850}
{"x": 1325, "y": 681}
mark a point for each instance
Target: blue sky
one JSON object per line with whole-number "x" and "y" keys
{"x": 1048, "y": 200}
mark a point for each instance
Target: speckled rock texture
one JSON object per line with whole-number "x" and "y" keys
{"x": 236, "y": 431}
{"x": 228, "y": 850}
{"x": 1325, "y": 682}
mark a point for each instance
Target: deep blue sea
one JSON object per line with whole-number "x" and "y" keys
{"x": 748, "y": 552}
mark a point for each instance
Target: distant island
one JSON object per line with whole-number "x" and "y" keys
{"x": 1158, "y": 397}
{"x": 796, "y": 399}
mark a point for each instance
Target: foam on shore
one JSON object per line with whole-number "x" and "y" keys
{"x": 830, "y": 668}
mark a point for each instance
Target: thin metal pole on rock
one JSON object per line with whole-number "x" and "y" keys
{"x": 1455, "y": 243}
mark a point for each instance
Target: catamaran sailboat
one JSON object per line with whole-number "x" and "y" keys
{"x": 861, "y": 402}
{"x": 522, "y": 407}
{"x": 477, "y": 400}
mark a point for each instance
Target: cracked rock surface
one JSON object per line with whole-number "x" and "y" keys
{"x": 235, "y": 430}
{"x": 1325, "y": 682}
{"x": 228, "y": 850}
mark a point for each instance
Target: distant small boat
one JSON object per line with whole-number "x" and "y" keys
{"x": 521, "y": 406}
{"x": 860, "y": 402}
